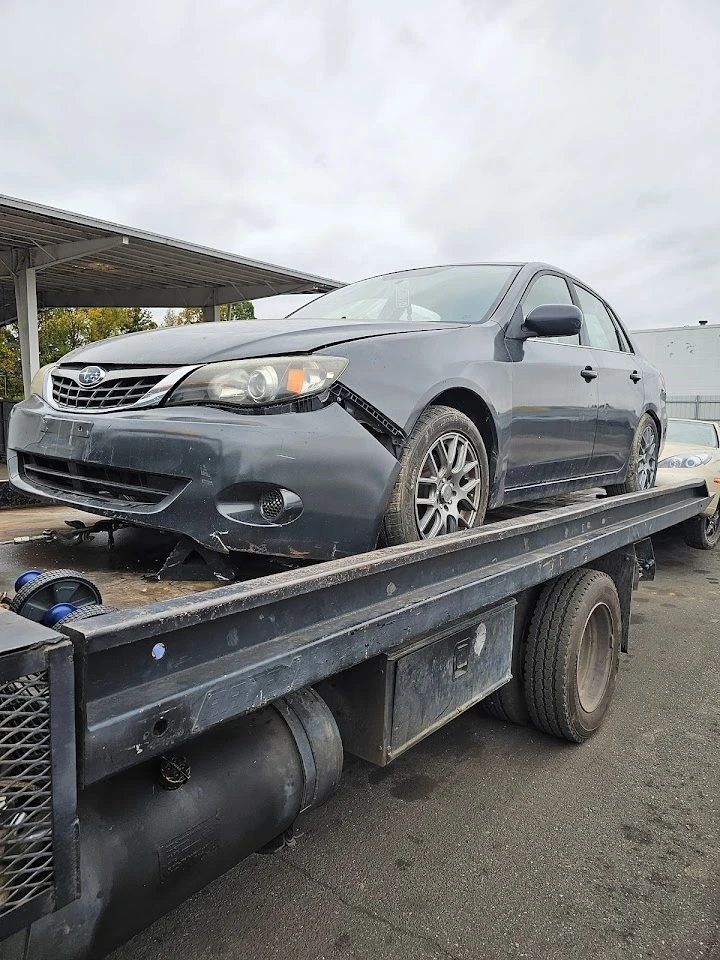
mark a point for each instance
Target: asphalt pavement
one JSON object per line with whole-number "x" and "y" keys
{"x": 491, "y": 842}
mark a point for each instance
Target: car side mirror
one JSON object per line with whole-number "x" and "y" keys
{"x": 553, "y": 320}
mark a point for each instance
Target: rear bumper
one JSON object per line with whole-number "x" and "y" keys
{"x": 212, "y": 460}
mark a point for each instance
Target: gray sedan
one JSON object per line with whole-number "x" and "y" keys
{"x": 394, "y": 409}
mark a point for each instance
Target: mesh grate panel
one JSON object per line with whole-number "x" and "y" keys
{"x": 118, "y": 391}
{"x": 26, "y": 841}
{"x": 272, "y": 505}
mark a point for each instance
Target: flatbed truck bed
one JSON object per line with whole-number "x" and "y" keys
{"x": 145, "y": 751}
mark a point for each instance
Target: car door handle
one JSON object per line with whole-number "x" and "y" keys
{"x": 635, "y": 376}
{"x": 588, "y": 373}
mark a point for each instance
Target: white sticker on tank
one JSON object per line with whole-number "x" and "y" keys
{"x": 480, "y": 638}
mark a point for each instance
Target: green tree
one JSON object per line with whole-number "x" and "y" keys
{"x": 242, "y": 310}
{"x": 62, "y": 329}
{"x": 11, "y": 382}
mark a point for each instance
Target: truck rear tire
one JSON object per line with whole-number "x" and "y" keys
{"x": 572, "y": 654}
{"x": 508, "y": 702}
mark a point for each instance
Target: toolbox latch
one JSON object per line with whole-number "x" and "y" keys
{"x": 461, "y": 658}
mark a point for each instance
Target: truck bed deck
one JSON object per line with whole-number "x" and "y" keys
{"x": 120, "y": 572}
{"x": 124, "y": 572}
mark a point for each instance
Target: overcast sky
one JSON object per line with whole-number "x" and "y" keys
{"x": 347, "y": 139}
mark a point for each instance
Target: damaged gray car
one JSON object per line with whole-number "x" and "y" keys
{"x": 394, "y": 409}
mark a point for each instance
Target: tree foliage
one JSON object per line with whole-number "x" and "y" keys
{"x": 61, "y": 330}
{"x": 243, "y": 310}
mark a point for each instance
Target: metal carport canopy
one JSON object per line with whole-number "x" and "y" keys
{"x": 52, "y": 258}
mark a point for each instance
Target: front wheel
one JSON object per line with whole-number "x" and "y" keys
{"x": 642, "y": 467}
{"x": 443, "y": 483}
{"x": 703, "y": 533}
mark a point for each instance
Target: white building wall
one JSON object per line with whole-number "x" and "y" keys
{"x": 689, "y": 357}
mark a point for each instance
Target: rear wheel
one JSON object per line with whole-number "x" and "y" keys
{"x": 443, "y": 482}
{"x": 508, "y": 702}
{"x": 642, "y": 467}
{"x": 703, "y": 533}
{"x": 572, "y": 654}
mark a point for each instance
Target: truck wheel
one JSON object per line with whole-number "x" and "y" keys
{"x": 508, "y": 702}
{"x": 642, "y": 468}
{"x": 703, "y": 533}
{"x": 572, "y": 654}
{"x": 443, "y": 484}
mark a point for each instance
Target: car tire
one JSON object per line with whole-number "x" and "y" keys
{"x": 572, "y": 654}
{"x": 438, "y": 429}
{"x": 642, "y": 468}
{"x": 703, "y": 533}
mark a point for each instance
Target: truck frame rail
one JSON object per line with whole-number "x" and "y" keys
{"x": 183, "y": 666}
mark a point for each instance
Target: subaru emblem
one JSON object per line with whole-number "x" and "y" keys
{"x": 91, "y": 376}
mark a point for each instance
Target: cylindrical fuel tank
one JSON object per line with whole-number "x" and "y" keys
{"x": 145, "y": 848}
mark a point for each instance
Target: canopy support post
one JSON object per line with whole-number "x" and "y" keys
{"x": 211, "y": 314}
{"x": 27, "y": 320}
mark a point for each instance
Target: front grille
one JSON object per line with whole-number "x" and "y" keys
{"x": 110, "y": 484}
{"x": 26, "y": 835}
{"x": 117, "y": 390}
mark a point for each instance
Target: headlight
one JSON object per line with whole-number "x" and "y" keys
{"x": 252, "y": 383}
{"x": 38, "y": 381}
{"x": 686, "y": 460}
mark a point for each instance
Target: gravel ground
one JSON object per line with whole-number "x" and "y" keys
{"x": 491, "y": 842}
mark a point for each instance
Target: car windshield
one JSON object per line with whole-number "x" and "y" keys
{"x": 459, "y": 294}
{"x": 692, "y": 432}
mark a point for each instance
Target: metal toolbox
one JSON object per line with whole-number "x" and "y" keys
{"x": 387, "y": 704}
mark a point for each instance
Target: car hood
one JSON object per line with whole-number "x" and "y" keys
{"x": 237, "y": 340}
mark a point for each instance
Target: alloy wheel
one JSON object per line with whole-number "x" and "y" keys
{"x": 448, "y": 489}
{"x": 647, "y": 458}
{"x": 712, "y": 527}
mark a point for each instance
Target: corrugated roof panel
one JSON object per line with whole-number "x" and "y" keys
{"x": 149, "y": 265}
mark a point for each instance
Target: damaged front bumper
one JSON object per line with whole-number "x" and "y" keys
{"x": 311, "y": 485}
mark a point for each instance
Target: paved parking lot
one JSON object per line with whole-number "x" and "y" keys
{"x": 490, "y": 842}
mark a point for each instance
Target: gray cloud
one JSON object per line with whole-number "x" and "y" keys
{"x": 352, "y": 138}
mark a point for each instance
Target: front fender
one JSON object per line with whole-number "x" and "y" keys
{"x": 402, "y": 375}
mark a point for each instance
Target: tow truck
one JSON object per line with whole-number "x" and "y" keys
{"x": 144, "y": 751}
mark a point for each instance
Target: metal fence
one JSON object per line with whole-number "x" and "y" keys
{"x": 694, "y": 408}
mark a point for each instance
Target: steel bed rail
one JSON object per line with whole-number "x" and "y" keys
{"x": 153, "y": 677}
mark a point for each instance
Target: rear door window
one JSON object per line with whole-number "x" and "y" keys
{"x": 599, "y": 326}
